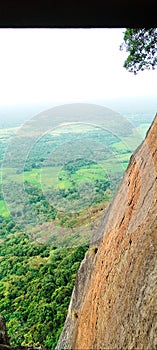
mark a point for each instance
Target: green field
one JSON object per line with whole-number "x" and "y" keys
{"x": 3, "y": 209}
{"x": 73, "y": 166}
{"x": 62, "y": 175}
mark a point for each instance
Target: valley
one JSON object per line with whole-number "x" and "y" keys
{"x": 49, "y": 210}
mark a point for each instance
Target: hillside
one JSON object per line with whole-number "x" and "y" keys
{"x": 114, "y": 298}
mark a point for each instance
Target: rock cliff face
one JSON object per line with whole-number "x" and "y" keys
{"x": 3, "y": 332}
{"x": 113, "y": 305}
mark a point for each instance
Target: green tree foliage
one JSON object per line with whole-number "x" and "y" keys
{"x": 36, "y": 283}
{"x": 141, "y": 43}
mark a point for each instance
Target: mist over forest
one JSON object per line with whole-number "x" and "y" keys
{"x": 15, "y": 115}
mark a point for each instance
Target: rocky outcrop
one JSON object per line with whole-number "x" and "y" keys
{"x": 4, "y": 339}
{"x": 113, "y": 305}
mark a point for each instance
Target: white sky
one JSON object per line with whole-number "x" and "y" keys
{"x": 67, "y": 65}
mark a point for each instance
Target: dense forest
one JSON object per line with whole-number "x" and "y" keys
{"x": 35, "y": 287}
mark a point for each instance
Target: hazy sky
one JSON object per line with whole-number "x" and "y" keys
{"x": 67, "y": 65}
